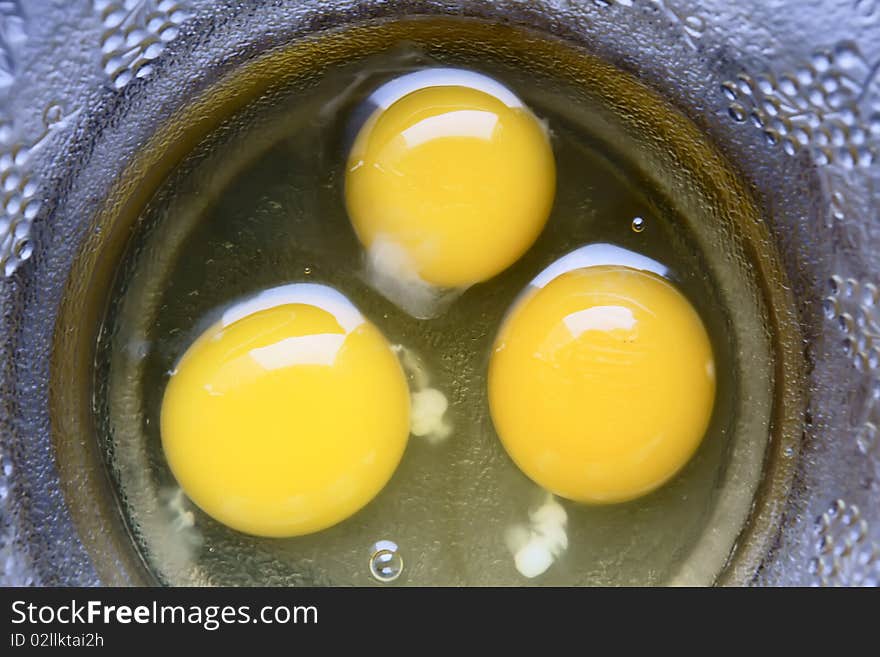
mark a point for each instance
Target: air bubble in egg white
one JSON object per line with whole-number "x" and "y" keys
{"x": 386, "y": 562}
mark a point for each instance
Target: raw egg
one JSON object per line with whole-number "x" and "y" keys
{"x": 450, "y": 179}
{"x": 287, "y": 415}
{"x": 602, "y": 380}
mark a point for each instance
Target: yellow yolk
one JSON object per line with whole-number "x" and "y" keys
{"x": 460, "y": 182}
{"x": 288, "y": 415}
{"x": 601, "y": 383}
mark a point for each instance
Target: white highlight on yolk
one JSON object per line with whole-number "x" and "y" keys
{"x": 592, "y": 255}
{"x": 311, "y": 294}
{"x": 599, "y": 318}
{"x": 392, "y": 91}
{"x": 537, "y": 545}
{"x": 463, "y": 123}
{"x": 318, "y": 349}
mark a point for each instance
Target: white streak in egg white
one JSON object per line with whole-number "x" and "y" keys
{"x": 462, "y": 123}
{"x": 537, "y": 545}
{"x": 598, "y": 254}
{"x": 413, "y": 366}
{"x": 316, "y": 349}
{"x": 391, "y": 271}
{"x": 313, "y": 294}
{"x": 183, "y": 518}
{"x": 428, "y": 412}
{"x": 394, "y": 90}
{"x": 428, "y": 405}
{"x": 532, "y": 560}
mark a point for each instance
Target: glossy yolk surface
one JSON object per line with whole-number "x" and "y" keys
{"x": 461, "y": 182}
{"x": 288, "y": 419}
{"x": 602, "y": 383}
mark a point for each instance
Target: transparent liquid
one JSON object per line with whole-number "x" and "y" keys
{"x": 259, "y": 204}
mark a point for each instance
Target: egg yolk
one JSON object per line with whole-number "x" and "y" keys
{"x": 288, "y": 415}
{"x": 602, "y": 383}
{"x": 459, "y": 181}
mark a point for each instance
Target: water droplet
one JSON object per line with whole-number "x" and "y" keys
{"x": 52, "y": 114}
{"x": 870, "y": 294}
{"x": 821, "y": 61}
{"x": 829, "y": 83}
{"x": 837, "y": 99}
{"x": 788, "y": 85}
{"x": 801, "y": 135}
{"x": 307, "y": 271}
{"x": 812, "y": 119}
{"x": 846, "y": 158}
{"x": 744, "y": 84}
{"x": 834, "y": 283}
{"x": 874, "y": 358}
{"x": 737, "y": 112}
{"x": 846, "y": 55}
{"x": 838, "y": 134}
{"x": 857, "y": 136}
{"x": 13, "y": 204}
{"x": 805, "y": 76}
{"x": 143, "y": 71}
{"x": 781, "y": 125}
{"x": 847, "y": 116}
{"x": 169, "y": 33}
{"x": 771, "y": 107}
{"x": 638, "y": 224}
{"x": 729, "y": 91}
{"x": 822, "y": 156}
{"x": 386, "y": 564}
{"x": 830, "y": 307}
{"x": 23, "y": 250}
{"x": 13, "y": 180}
{"x": 865, "y": 156}
{"x": 122, "y": 79}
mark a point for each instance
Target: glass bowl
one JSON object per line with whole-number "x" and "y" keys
{"x": 92, "y": 92}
